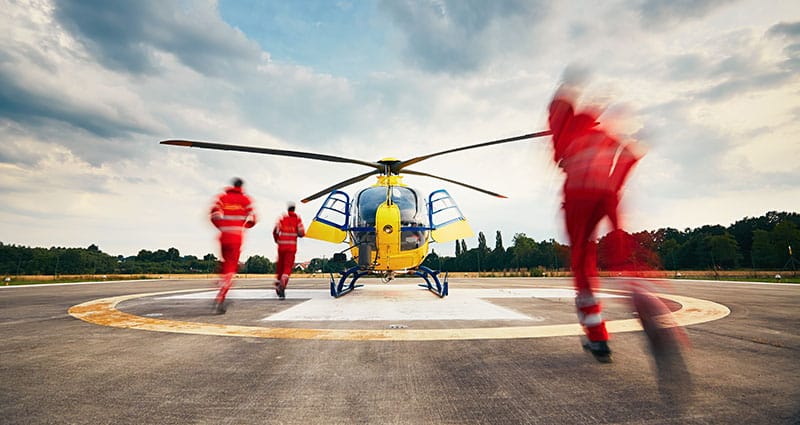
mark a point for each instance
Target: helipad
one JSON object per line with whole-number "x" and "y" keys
{"x": 395, "y": 302}
{"x": 385, "y": 303}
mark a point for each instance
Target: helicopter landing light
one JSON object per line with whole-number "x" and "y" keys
{"x": 388, "y": 229}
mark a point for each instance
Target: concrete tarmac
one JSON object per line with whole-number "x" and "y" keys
{"x": 495, "y": 351}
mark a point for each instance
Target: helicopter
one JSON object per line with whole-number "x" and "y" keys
{"x": 389, "y": 225}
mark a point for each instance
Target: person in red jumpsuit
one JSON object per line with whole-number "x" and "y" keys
{"x": 231, "y": 214}
{"x": 596, "y": 166}
{"x": 286, "y": 231}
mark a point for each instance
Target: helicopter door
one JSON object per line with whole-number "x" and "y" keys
{"x": 446, "y": 220}
{"x": 330, "y": 223}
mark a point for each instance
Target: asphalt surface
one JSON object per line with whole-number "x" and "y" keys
{"x": 57, "y": 369}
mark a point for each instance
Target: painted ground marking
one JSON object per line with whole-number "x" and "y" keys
{"x": 104, "y": 312}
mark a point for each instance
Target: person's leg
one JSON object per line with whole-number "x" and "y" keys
{"x": 288, "y": 265}
{"x": 583, "y": 216}
{"x": 280, "y": 267}
{"x": 230, "y": 264}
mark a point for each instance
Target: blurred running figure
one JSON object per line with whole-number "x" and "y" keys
{"x": 286, "y": 231}
{"x": 231, "y": 214}
{"x": 596, "y": 166}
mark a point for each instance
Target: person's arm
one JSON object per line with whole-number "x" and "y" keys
{"x": 628, "y": 157}
{"x": 251, "y": 220}
{"x": 216, "y": 213}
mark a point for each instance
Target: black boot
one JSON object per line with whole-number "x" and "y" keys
{"x": 599, "y": 350}
{"x": 219, "y": 307}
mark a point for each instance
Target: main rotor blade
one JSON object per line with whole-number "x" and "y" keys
{"x": 339, "y": 185}
{"x": 269, "y": 151}
{"x": 479, "y": 145}
{"x": 455, "y": 182}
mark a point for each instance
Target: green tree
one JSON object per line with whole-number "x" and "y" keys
{"x": 482, "y": 242}
{"x": 496, "y": 258}
{"x": 259, "y": 264}
{"x": 482, "y": 253}
{"x": 724, "y": 250}
{"x": 763, "y": 250}
{"x": 785, "y": 235}
{"x": 432, "y": 261}
{"x": 316, "y": 265}
{"x": 144, "y": 255}
{"x": 668, "y": 252}
{"x": 526, "y": 253}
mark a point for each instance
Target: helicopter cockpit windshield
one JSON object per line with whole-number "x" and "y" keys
{"x": 412, "y": 214}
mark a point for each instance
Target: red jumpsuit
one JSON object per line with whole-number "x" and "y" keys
{"x": 231, "y": 214}
{"x": 286, "y": 231}
{"x": 596, "y": 166}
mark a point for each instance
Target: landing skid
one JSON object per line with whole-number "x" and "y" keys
{"x": 353, "y": 273}
{"x": 428, "y": 275}
{"x": 432, "y": 282}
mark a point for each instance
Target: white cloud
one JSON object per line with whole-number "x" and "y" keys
{"x": 81, "y": 110}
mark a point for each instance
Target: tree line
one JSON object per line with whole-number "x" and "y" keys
{"x": 21, "y": 260}
{"x": 759, "y": 243}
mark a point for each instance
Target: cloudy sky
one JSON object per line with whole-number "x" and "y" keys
{"x": 711, "y": 88}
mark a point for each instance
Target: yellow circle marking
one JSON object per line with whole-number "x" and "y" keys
{"x": 104, "y": 312}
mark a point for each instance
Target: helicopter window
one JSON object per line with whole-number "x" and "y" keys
{"x": 406, "y": 200}
{"x": 368, "y": 202}
{"x": 366, "y": 208}
{"x": 444, "y": 211}
{"x": 334, "y": 210}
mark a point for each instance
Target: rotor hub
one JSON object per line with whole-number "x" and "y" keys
{"x": 392, "y": 165}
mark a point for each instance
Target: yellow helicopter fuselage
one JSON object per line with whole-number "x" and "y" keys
{"x": 395, "y": 248}
{"x": 389, "y": 225}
